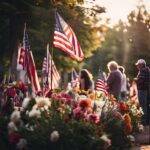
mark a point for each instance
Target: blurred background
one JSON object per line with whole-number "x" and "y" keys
{"x": 106, "y": 29}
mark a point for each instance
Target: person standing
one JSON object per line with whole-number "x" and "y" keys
{"x": 133, "y": 92}
{"x": 86, "y": 81}
{"x": 123, "y": 84}
{"x": 143, "y": 86}
{"x": 114, "y": 79}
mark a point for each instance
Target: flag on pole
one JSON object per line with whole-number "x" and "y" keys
{"x": 32, "y": 73}
{"x": 66, "y": 40}
{"x": 50, "y": 72}
{"x": 25, "y": 63}
{"x": 101, "y": 84}
{"x": 22, "y": 60}
{"x": 74, "y": 78}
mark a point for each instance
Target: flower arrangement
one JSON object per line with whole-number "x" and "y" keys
{"x": 80, "y": 120}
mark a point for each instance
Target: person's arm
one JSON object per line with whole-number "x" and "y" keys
{"x": 141, "y": 77}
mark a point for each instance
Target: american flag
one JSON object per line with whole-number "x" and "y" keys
{"x": 48, "y": 74}
{"x": 66, "y": 40}
{"x": 32, "y": 73}
{"x": 74, "y": 78}
{"x": 101, "y": 84}
{"x": 26, "y": 61}
{"x": 22, "y": 60}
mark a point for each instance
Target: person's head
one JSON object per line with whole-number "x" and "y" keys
{"x": 87, "y": 77}
{"x": 140, "y": 63}
{"x": 121, "y": 68}
{"x": 84, "y": 73}
{"x": 112, "y": 66}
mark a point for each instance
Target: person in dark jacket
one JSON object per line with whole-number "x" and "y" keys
{"x": 114, "y": 79}
{"x": 143, "y": 86}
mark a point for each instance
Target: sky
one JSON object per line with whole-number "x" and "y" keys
{"x": 119, "y": 9}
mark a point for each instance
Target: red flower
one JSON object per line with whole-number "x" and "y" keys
{"x": 86, "y": 103}
{"x": 22, "y": 86}
{"x": 128, "y": 128}
{"x": 14, "y": 137}
{"x": 123, "y": 107}
{"x": 11, "y": 92}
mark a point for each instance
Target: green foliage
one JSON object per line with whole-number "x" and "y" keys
{"x": 139, "y": 36}
{"x": 39, "y": 16}
{"x": 75, "y": 133}
{"x": 125, "y": 43}
{"x": 112, "y": 49}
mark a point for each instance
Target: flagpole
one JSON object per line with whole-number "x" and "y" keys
{"x": 52, "y": 67}
{"x": 52, "y": 48}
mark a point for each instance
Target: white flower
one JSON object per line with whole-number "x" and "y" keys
{"x": 106, "y": 140}
{"x": 54, "y": 136}
{"x": 46, "y": 108}
{"x": 11, "y": 127}
{"x": 141, "y": 110}
{"x": 141, "y": 128}
{"x": 22, "y": 144}
{"x": 131, "y": 138}
{"x": 27, "y": 112}
{"x": 15, "y": 116}
{"x": 35, "y": 113}
{"x": 42, "y": 101}
{"x": 82, "y": 97}
{"x": 29, "y": 127}
{"x": 25, "y": 102}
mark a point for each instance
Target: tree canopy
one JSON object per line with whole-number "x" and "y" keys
{"x": 125, "y": 43}
{"x": 39, "y": 17}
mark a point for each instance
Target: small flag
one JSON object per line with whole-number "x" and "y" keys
{"x": 74, "y": 78}
{"x": 26, "y": 62}
{"x": 22, "y": 60}
{"x": 101, "y": 84}
{"x": 66, "y": 40}
{"x": 50, "y": 75}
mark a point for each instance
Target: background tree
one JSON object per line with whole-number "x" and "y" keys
{"x": 39, "y": 16}
{"x": 139, "y": 37}
{"x": 125, "y": 43}
{"x": 113, "y": 48}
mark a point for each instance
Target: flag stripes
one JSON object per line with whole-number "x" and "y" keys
{"x": 74, "y": 78}
{"x": 32, "y": 73}
{"x": 26, "y": 62}
{"x": 48, "y": 74}
{"x": 66, "y": 40}
{"x": 101, "y": 86}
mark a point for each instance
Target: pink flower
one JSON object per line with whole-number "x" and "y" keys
{"x": 93, "y": 118}
{"x": 62, "y": 97}
{"x": 78, "y": 113}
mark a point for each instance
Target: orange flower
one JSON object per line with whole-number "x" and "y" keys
{"x": 128, "y": 128}
{"x": 92, "y": 96}
{"x": 86, "y": 103}
{"x": 127, "y": 118}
